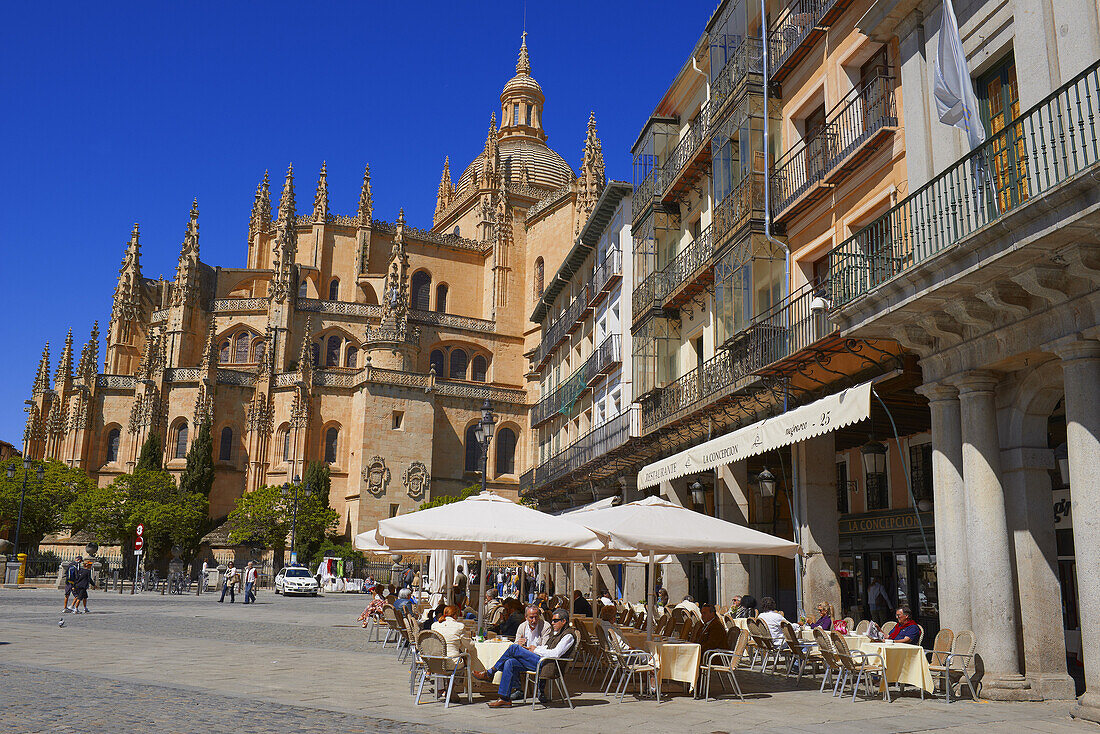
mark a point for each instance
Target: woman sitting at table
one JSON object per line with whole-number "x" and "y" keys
{"x": 906, "y": 629}
{"x": 824, "y": 617}
{"x": 437, "y": 615}
{"x": 513, "y": 618}
{"x": 454, "y": 633}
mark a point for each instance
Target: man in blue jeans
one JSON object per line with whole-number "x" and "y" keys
{"x": 519, "y": 658}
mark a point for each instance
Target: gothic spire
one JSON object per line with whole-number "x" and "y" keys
{"x": 446, "y": 189}
{"x": 366, "y": 202}
{"x": 286, "y": 203}
{"x": 89, "y": 357}
{"x": 42, "y": 379}
{"x": 523, "y": 64}
{"x": 210, "y": 354}
{"x": 593, "y": 175}
{"x": 285, "y": 246}
{"x": 131, "y": 260}
{"x": 261, "y": 208}
{"x": 64, "y": 372}
{"x": 491, "y": 137}
{"x": 186, "y": 282}
{"x": 320, "y": 199}
{"x": 305, "y": 354}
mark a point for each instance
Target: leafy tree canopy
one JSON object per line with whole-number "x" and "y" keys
{"x": 449, "y": 498}
{"x": 149, "y": 458}
{"x": 45, "y": 501}
{"x": 264, "y": 516}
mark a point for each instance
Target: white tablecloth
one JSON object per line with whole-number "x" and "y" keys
{"x": 904, "y": 663}
{"x": 486, "y": 654}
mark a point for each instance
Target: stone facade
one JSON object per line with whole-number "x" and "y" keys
{"x": 365, "y": 343}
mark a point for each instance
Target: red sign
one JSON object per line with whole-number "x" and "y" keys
{"x": 140, "y": 529}
{"x": 138, "y": 543}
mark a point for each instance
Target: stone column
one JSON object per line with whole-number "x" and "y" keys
{"x": 815, "y": 471}
{"x": 950, "y": 506}
{"x": 991, "y": 573}
{"x": 1026, "y": 479}
{"x": 732, "y": 494}
{"x": 1081, "y": 367}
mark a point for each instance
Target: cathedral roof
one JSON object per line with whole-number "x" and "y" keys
{"x": 546, "y": 169}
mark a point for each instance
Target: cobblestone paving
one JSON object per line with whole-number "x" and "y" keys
{"x": 50, "y": 702}
{"x": 188, "y": 664}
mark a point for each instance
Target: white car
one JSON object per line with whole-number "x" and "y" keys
{"x": 295, "y": 580}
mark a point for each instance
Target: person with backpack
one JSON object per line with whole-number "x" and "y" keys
{"x": 70, "y": 578}
{"x": 407, "y": 577}
{"x": 81, "y": 582}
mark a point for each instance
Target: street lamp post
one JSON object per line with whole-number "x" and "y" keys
{"x": 294, "y": 516}
{"x": 19, "y": 521}
{"x": 484, "y": 434}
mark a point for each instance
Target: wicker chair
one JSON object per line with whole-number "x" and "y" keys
{"x": 851, "y": 623}
{"x": 549, "y": 671}
{"x": 765, "y": 645}
{"x": 861, "y": 664}
{"x": 587, "y": 651}
{"x": 863, "y": 626}
{"x": 829, "y": 658}
{"x": 724, "y": 662}
{"x": 958, "y": 664}
{"x": 887, "y": 627}
{"x": 686, "y": 630}
{"x": 437, "y": 666}
{"x": 800, "y": 651}
{"x": 393, "y": 622}
{"x": 639, "y": 620}
{"x": 941, "y": 647}
{"x": 630, "y": 663}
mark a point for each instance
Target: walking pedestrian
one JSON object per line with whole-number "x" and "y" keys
{"x": 249, "y": 584}
{"x": 70, "y": 576}
{"x": 229, "y": 584}
{"x": 81, "y": 581}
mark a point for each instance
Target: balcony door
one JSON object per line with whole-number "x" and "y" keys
{"x": 872, "y": 85}
{"x": 817, "y": 150}
{"x": 1000, "y": 103}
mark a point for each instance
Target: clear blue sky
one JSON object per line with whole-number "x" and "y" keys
{"x": 119, "y": 114}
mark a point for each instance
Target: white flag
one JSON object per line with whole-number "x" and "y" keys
{"x": 955, "y": 100}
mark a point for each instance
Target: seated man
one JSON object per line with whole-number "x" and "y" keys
{"x": 906, "y": 629}
{"x": 712, "y": 636}
{"x": 533, "y": 632}
{"x": 491, "y": 603}
{"x": 689, "y": 604}
{"x": 580, "y": 604}
{"x": 518, "y": 658}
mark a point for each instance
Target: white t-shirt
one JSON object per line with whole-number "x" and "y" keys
{"x": 774, "y": 620}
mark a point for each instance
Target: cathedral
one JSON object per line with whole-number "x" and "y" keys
{"x": 368, "y": 344}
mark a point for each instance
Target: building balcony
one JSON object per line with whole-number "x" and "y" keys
{"x": 744, "y": 68}
{"x": 585, "y": 451}
{"x": 561, "y": 328}
{"x": 718, "y": 377}
{"x": 800, "y": 26}
{"x": 562, "y": 399}
{"x": 1027, "y": 172}
{"x": 647, "y": 192}
{"x": 856, "y": 127}
{"x": 690, "y": 272}
{"x": 741, "y": 206}
{"x": 607, "y": 274}
{"x": 690, "y": 159}
{"x": 791, "y": 326}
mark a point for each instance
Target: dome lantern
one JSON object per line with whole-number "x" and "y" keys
{"x": 521, "y": 102}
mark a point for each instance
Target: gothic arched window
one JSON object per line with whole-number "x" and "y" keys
{"x": 258, "y": 350}
{"x": 436, "y": 361}
{"x": 223, "y": 352}
{"x": 332, "y": 352}
{"x": 458, "y": 365}
{"x": 441, "y": 298}
{"x": 479, "y": 369}
{"x": 240, "y": 347}
{"x": 112, "y": 445}
{"x": 225, "y": 445}
{"x": 506, "y": 451}
{"x": 181, "y": 441}
{"x": 302, "y": 292}
{"x": 332, "y": 437}
{"x": 353, "y": 357}
{"x": 421, "y": 290}
{"x": 286, "y": 444}
{"x": 540, "y": 268}
{"x": 334, "y": 290}
{"x": 473, "y": 449}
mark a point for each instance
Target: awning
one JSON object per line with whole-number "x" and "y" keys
{"x": 821, "y": 416}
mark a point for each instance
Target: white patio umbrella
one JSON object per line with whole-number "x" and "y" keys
{"x": 654, "y": 525}
{"x": 488, "y": 523}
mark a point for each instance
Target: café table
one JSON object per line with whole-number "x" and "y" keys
{"x": 485, "y": 656}
{"x": 905, "y": 664}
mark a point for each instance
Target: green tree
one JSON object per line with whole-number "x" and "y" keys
{"x": 264, "y": 517}
{"x": 170, "y": 517}
{"x": 198, "y": 476}
{"x": 45, "y": 502}
{"x": 449, "y": 498}
{"x": 149, "y": 459}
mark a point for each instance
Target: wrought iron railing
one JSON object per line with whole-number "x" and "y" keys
{"x": 687, "y": 263}
{"x": 611, "y": 266}
{"x": 653, "y": 184}
{"x": 791, "y": 325}
{"x": 685, "y": 150}
{"x": 645, "y": 295}
{"x": 561, "y": 400}
{"x": 747, "y": 60}
{"x": 735, "y": 211}
{"x": 698, "y": 387}
{"x": 584, "y": 450}
{"x": 561, "y": 327}
{"x": 1045, "y": 146}
{"x": 853, "y": 121}
{"x": 794, "y": 24}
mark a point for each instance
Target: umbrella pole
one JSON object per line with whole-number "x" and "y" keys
{"x": 522, "y": 583}
{"x": 651, "y": 599}
{"x": 592, "y": 579}
{"x": 481, "y": 596}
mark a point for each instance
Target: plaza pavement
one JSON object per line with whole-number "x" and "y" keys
{"x": 188, "y": 664}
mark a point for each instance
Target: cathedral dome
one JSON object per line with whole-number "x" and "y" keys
{"x": 545, "y": 168}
